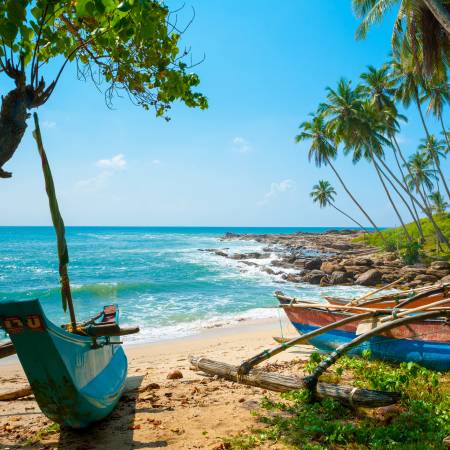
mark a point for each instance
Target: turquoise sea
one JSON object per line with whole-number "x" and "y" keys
{"x": 157, "y": 275}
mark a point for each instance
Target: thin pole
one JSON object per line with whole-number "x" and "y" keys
{"x": 58, "y": 224}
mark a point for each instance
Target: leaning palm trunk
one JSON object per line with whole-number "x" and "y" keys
{"x": 419, "y": 228}
{"x": 414, "y": 210}
{"x": 388, "y": 194}
{"x": 425, "y": 210}
{"x": 348, "y": 216}
{"x": 440, "y": 12}
{"x": 444, "y": 130}
{"x": 354, "y": 200}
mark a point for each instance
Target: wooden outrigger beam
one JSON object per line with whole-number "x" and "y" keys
{"x": 348, "y": 395}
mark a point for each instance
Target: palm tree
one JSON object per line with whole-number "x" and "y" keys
{"x": 420, "y": 30}
{"x": 379, "y": 87}
{"x": 323, "y": 150}
{"x": 408, "y": 86}
{"x": 367, "y": 142}
{"x": 323, "y": 193}
{"x": 422, "y": 177}
{"x": 437, "y": 93}
{"x": 439, "y": 205}
{"x": 434, "y": 149}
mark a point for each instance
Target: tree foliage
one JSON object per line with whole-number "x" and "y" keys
{"x": 129, "y": 47}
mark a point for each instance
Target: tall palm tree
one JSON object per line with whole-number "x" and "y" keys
{"x": 422, "y": 177}
{"x": 367, "y": 142}
{"x": 323, "y": 193}
{"x": 434, "y": 150}
{"x": 421, "y": 30}
{"x": 437, "y": 93}
{"x": 323, "y": 150}
{"x": 379, "y": 86}
{"x": 409, "y": 84}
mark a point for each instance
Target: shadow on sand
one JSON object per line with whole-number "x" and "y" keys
{"x": 116, "y": 432}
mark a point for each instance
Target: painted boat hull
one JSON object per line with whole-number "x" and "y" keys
{"x": 426, "y": 343}
{"x": 74, "y": 383}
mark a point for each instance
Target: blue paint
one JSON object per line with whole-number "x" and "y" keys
{"x": 74, "y": 383}
{"x": 433, "y": 355}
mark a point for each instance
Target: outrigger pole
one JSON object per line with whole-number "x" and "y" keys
{"x": 58, "y": 223}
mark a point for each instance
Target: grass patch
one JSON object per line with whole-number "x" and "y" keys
{"x": 397, "y": 241}
{"x": 420, "y": 421}
{"x": 41, "y": 434}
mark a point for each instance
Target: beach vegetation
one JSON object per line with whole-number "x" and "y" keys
{"x": 421, "y": 419}
{"x": 129, "y": 48}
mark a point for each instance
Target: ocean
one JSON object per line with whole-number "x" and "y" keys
{"x": 158, "y": 276}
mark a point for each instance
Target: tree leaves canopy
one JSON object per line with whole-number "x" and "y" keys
{"x": 130, "y": 46}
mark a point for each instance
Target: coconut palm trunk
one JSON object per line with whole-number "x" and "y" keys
{"x": 354, "y": 199}
{"x": 425, "y": 210}
{"x": 440, "y": 12}
{"x": 388, "y": 194}
{"x": 408, "y": 207}
{"x": 348, "y": 216}
{"x": 413, "y": 206}
{"x": 445, "y": 131}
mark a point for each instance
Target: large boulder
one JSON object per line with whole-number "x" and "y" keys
{"x": 446, "y": 279}
{"x": 369, "y": 278}
{"x": 329, "y": 267}
{"x": 425, "y": 278}
{"x": 313, "y": 264}
{"x": 313, "y": 277}
{"x": 339, "y": 277}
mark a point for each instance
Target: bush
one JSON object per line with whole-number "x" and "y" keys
{"x": 411, "y": 252}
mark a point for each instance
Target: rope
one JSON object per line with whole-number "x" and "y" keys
{"x": 281, "y": 325}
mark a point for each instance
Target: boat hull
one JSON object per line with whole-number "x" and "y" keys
{"x": 74, "y": 382}
{"x": 426, "y": 343}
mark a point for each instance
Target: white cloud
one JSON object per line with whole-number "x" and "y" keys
{"x": 48, "y": 124}
{"x": 276, "y": 189}
{"x": 108, "y": 167}
{"x": 156, "y": 162}
{"x": 241, "y": 145}
{"x": 114, "y": 164}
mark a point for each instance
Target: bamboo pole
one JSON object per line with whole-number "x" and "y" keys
{"x": 370, "y": 294}
{"x": 284, "y": 383}
{"x": 404, "y": 312}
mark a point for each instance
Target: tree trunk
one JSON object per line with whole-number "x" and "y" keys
{"x": 441, "y": 236}
{"x": 440, "y": 12}
{"x": 416, "y": 95}
{"x": 355, "y": 201}
{"x": 445, "y": 131}
{"x": 377, "y": 169}
{"x": 403, "y": 199}
{"x": 416, "y": 215}
{"x": 346, "y": 215}
{"x": 13, "y": 117}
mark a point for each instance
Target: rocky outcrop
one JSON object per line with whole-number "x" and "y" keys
{"x": 313, "y": 264}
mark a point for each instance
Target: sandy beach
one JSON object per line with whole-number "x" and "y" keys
{"x": 194, "y": 412}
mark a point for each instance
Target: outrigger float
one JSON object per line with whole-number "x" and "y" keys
{"x": 408, "y": 333}
{"x": 77, "y": 371}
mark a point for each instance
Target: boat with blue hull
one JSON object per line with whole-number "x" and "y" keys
{"x": 426, "y": 342}
{"x": 76, "y": 377}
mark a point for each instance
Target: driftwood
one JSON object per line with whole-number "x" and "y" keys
{"x": 348, "y": 395}
{"x": 7, "y": 350}
{"x": 14, "y": 395}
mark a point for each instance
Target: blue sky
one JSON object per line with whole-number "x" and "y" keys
{"x": 267, "y": 65}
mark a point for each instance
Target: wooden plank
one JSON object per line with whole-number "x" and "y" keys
{"x": 7, "y": 350}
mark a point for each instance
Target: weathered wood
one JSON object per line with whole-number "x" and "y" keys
{"x": 14, "y": 395}
{"x": 7, "y": 350}
{"x": 284, "y": 383}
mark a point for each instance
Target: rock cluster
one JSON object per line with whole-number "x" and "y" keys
{"x": 333, "y": 258}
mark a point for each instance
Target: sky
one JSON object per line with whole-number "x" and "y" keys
{"x": 266, "y": 67}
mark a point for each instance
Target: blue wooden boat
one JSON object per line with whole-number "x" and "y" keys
{"x": 425, "y": 342}
{"x": 76, "y": 379}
